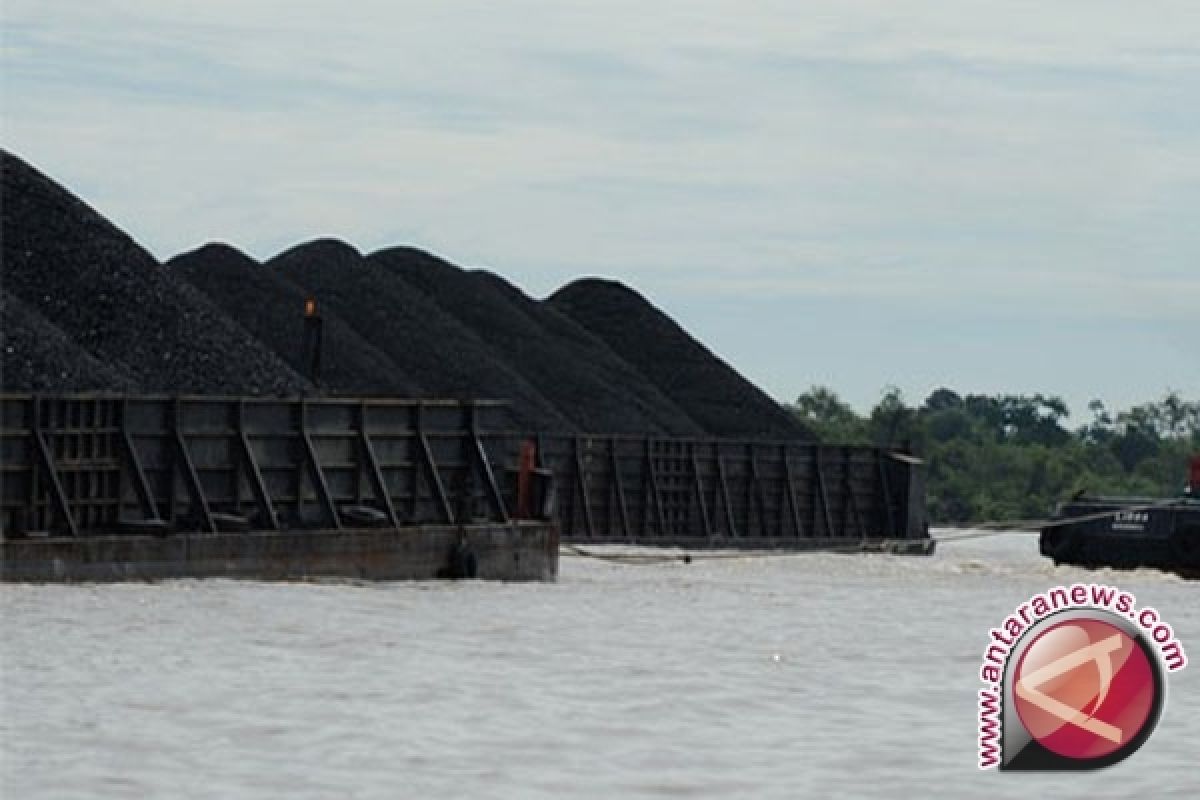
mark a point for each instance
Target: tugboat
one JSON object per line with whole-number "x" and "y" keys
{"x": 1129, "y": 532}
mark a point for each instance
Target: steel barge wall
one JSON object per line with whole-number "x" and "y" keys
{"x": 115, "y": 487}
{"x": 111, "y": 487}
{"x": 710, "y": 493}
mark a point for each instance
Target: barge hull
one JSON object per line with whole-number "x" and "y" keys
{"x": 525, "y": 551}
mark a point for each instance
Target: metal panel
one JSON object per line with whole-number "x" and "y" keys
{"x": 98, "y": 463}
{"x": 84, "y": 464}
{"x": 654, "y": 490}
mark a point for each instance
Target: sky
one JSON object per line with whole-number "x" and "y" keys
{"x": 992, "y": 197}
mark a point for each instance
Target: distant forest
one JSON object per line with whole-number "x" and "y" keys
{"x": 1011, "y": 456}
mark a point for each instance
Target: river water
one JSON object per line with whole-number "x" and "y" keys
{"x": 779, "y": 677}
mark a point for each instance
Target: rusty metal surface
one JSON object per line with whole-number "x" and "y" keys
{"x": 526, "y": 551}
{"x": 79, "y": 465}
{"x": 722, "y": 493}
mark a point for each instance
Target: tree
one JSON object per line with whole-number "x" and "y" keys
{"x": 1100, "y": 430}
{"x": 1137, "y": 436}
{"x": 891, "y": 421}
{"x": 942, "y": 399}
{"x": 950, "y": 424}
{"x": 1009, "y": 456}
{"x": 1177, "y": 417}
{"x": 831, "y": 419}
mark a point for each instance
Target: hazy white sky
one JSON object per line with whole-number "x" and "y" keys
{"x": 995, "y": 197}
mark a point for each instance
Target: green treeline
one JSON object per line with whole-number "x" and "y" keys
{"x": 1012, "y": 456}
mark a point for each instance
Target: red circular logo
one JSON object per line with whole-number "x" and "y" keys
{"x": 1084, "y": 689}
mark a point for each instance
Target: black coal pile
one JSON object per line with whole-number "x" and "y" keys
{"x": 272, "y": 309}
{"x": 573, "y": 369}
{"x": 35, "y": 356}
{"x": 85, "y": 308}
{"x": 436, "y": 349}
{"x": 707, "y": 388}
{"x": 106, "y": 293}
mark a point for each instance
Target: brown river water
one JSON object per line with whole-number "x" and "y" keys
{"x": 786, "y": 676}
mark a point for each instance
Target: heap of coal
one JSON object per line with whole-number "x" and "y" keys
{"x": 84, "y": 307}
{"x": 35, "y": 356}
{"x": 579, "y": 374}
{"x": 114, "y": 301}
{"x": 707, "y": 388}
{"x": 413, "y": 331}
{"x": 270, "y": 307}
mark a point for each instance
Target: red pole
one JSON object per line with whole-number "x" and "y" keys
{"x": 525, "y": 465}
{"x": 1194, "y": 478}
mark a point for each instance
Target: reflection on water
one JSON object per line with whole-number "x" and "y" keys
{"x": 763, "y": 677}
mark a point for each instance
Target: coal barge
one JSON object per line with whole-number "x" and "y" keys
{"x": 642, "y": 435}
{"x": 108, "y": 487}
{"x": 1129, "y": 532}
{"x": 105, "y": 487}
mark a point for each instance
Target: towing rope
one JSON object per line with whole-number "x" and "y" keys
{"x": 1027, "y": 526}
{"x": 641, "y": 559}
{"x": 980, "y": 531}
